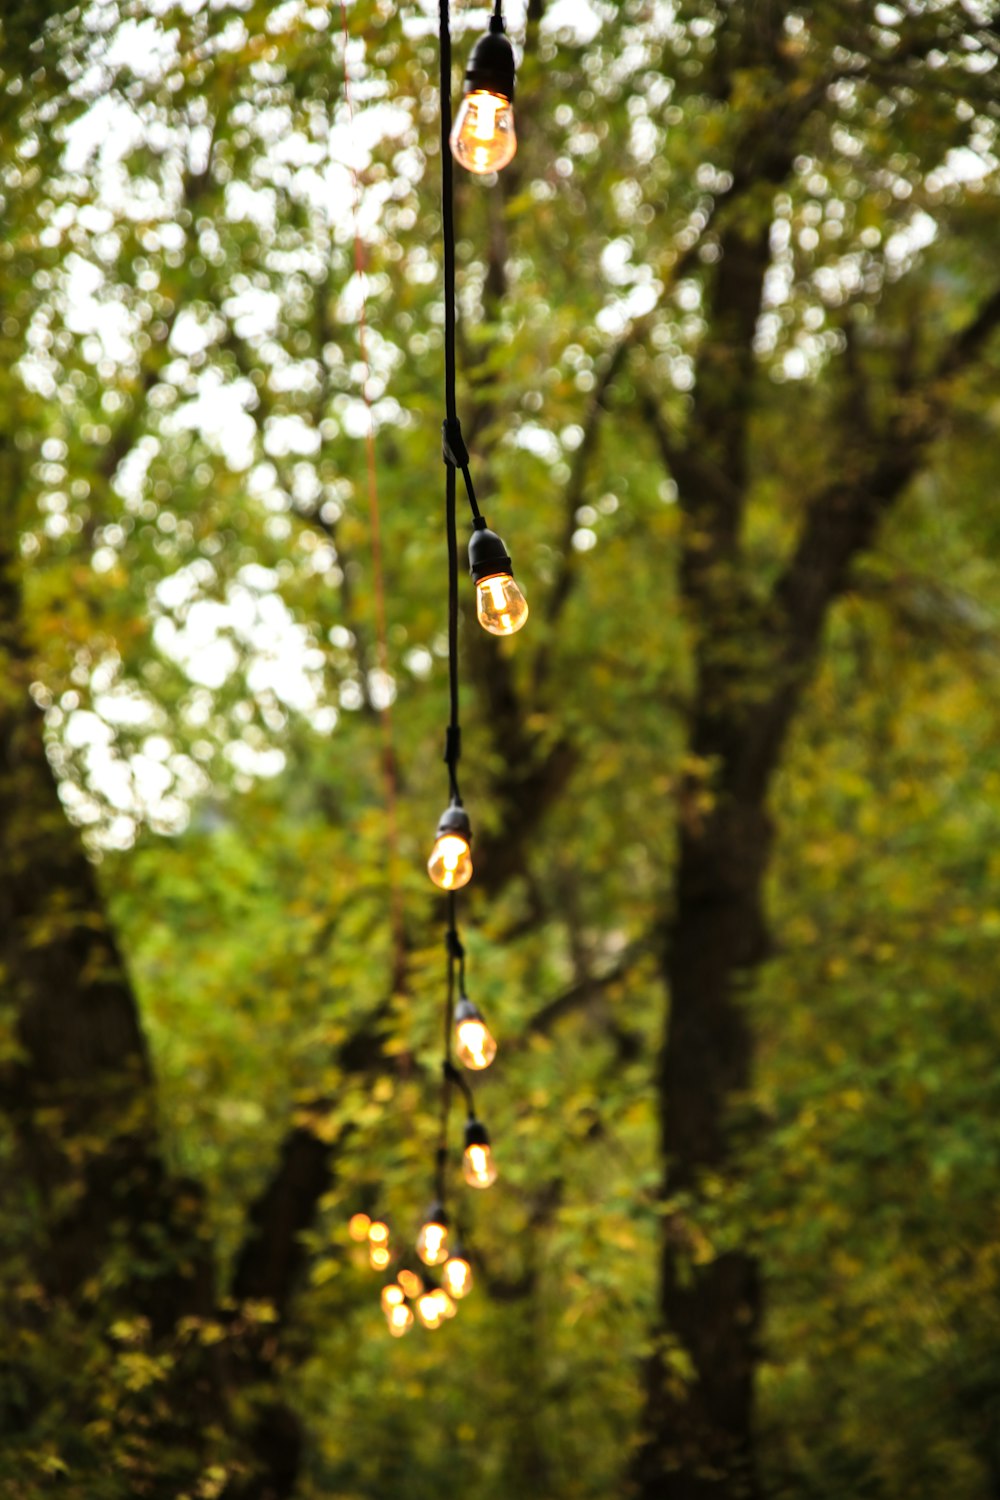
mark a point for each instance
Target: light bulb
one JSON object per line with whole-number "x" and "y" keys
{"x": 457, "y": 1276}
{"x": 378, "y": 1232}
{"x": 483, "y": 139}
{"x": 500, "y": 606}
{"x": 358, "y": 1226}
{"x": 432, "y": 1241}
{"x": 447, "y": 1306}
{"x": 478, "y": 1168}
{"x": 474, "y": 1043}
{"x": 400, "y": 1320}
{"x": 450, "y": 864}
{"x": 432, "y": 1244}
{"x": 392, "y": 1296}
{"x": 428, "y": 1311}
{"x": 411, "y": 1283}
{"x": 378, "y": 1257}
{"x": 434, "y": 1306}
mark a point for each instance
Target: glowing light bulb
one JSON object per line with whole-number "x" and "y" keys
{"x": 434, "y": 1306}
{"x": 378, "y": 1232}
{"x": 478, "y": 1167}
{"x": 501, "y": 608}
{"x": 457, "y": 1276}
{"x": 378, "y": 1257}
{"x": 392, "y": 1296}
{"x": 483, "y": 139}
{"x": 358, "y": 1226}
{"x": 474, "y": 1043}
{"x": 432, "y": 1241}
{"x": 411, "y": 1283}
{"x": 432, "y": 1244}
{"x": 447, "y": 1306}
{"x": 400, "y": 1320}
{"x": 428, "y": 1311}
{"x": 450, "y": 864}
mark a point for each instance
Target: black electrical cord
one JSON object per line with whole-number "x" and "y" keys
{"x": 453, "y": 739}
{"x": 448, "y": 218}
{"x": 452, "y": 1075}
{"x": 449, "y": 1073}
{"x": 456, "y": 457}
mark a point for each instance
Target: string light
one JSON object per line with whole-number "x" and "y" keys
{"x": 483, "y": 139}
{"x": 358, "y": 1226}
{"x": 379, "y": 1254}
{"x": 474, "y": 1043}
{"x": 450, "y": 864}
{"x": 501, "y": 608}
{"x": 456, "y": 1275}
{"x": 434, "y": 1307}
{"x": 400, "y": 1320}
{"x": 432, "y": 1241}
{"x": 411, "y": 1283}
{"x": 378, "y": 1231}
{"x": 478, "y": 1166}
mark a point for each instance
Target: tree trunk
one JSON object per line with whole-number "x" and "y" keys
{"x": 698, "y": 1431}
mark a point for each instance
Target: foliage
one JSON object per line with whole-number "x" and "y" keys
{"x": 182, "y": 448}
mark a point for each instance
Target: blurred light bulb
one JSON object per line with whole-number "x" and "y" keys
{"x": 450, "y": 864}
{"x": 378, "y": 1257}
{"x": 478, "y": 1167}
{"x": 400, "y": 1320}
{"x": 432, "y": 1241}
{"x": 447, "y": 1306}
{"x": 378, "y": 1232}
{"x": 500, "y": 606}
{"x": 434, "y": 1306}
{"x": 477, "y": 1158}
{"x": 392, "y": 1296}
{"x": 358, "y": 1227}
{"x": 428, "y": 1311}
{"x": 457, "y": 1276}
{"x": 474, "y": 1043}
{"x": 411, "y": 1283}
{"x": 483, "y": 139}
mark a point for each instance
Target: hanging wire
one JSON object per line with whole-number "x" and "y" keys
{"x": 453, "y": 446}
{"x": 383, "y": 709}
{"x": 453, "y": 740}
{"x": 456, "y": 954}
{"x": 452, "y": 440}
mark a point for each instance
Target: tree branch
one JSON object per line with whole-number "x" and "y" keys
{"x": 840, "y": 522}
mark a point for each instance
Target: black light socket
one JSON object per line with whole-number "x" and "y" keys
{"x": 491, "y": 66}
{"x": 476, "y": 1134}
{"x": 455, "y": 820}
{"x": 487, "y": 553}
{"x": 466, "y": 1011}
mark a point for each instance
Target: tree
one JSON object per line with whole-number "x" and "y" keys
{"x": 732, "y": 304}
